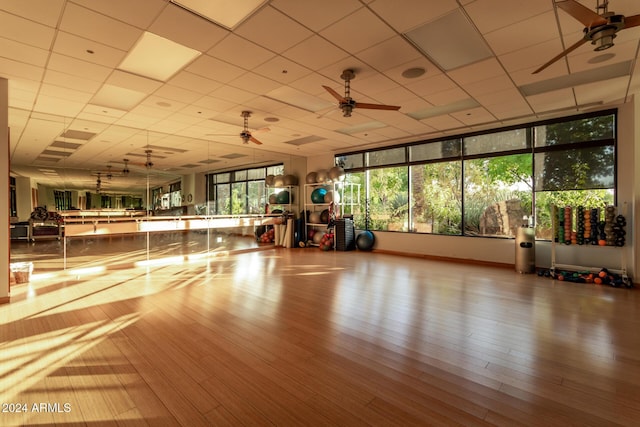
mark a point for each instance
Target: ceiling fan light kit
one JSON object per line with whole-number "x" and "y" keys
{"x": 600, "y": 29}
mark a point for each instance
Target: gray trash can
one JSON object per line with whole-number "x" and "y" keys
{"x": 526, "y": 250}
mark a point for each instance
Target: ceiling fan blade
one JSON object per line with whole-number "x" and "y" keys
{"x": 376, "y": 106}
{"x": 254, "y": 140}
{"x": 335, "y": 94}
{"x": 583, "y": 14}
{"x": 631, "y": 21}
{"x": 566, "y": 52}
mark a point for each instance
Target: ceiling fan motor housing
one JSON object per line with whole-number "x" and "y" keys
{"x": 602, "y": 35}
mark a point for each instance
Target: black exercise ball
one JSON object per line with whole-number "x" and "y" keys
{"x": 365, "y": 240}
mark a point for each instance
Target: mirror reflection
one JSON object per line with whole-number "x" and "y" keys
{"x": 136, "y": 196}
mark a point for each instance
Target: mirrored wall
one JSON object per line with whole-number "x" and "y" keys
{"x": 95, "y": 194}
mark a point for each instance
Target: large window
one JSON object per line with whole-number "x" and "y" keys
{"x": 239, "y": 192}
{"x": 490, "y": 183}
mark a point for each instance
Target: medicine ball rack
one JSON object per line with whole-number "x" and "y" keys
{"x": 599, "y": 227}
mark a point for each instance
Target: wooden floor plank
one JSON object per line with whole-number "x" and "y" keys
{"x": 305, "y": 337}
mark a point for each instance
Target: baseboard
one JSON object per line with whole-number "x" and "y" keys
{"x": 5, "y": 300}
{"x": 447, "y": 259}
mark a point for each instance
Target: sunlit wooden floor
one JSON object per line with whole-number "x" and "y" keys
{"x": 303, "y": 337}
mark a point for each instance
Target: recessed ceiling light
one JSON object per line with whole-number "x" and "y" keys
{"x": 163, "y": 104}
{"x": 412, "y": 73}
{"x": 271, "y": 119}
{"x": 145, "y": 61}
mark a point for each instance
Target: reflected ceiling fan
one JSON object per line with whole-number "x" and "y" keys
{"x": 600, "y": 29}
{"x": 346, "y": 103}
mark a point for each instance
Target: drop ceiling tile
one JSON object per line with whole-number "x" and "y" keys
{"x": 65, "y": 93}
{"x": 590, "y": 59}
{"x": 214, "y": 69}
{"x": 175, "y": 93}
{"x": 447, "y": 97}
{"x": 388, "y": 54}
{"x": 614, "y": 90}
{"x": 421, "y": 12}
{"x": 371, "y": 31}
{"x": 550, "y": 101}
{"x": 236, "y": 50}
{"x": 61, "y": 107}
{"x": 137, "y": 13}
{"x": 530, "y": 58}
{"x": 476, "y": 72}
{"x": 533, "y": 31}
{"x": 76, "y": 67}
{"x": 443, "y": 122}
{"x": 100, "y": 28}
{"x": 78, "y": 47}
{"x": 430, "y": 69}
{"x": 491, "y": 15}
{"x": 194, "y": 82}
{"x": 133, "y": 82}
{"x": 212, "y": 104}
{"x": 21, "y": 52}
{"x": 233, "y": 95}
{"x": 282, "y": 70}
{"x": 18, "y": 70}
{"x": 317, "y": 15}
{"x": 491, "y": 86}
{"x": 273, "y": 30}
{"x": 186, "y": 28}
{"x": 163, "y": 105}
{"x": 72, "y": 82}
{"x": 315, "y": 52}
{"x": 254, "y": 83}
{"x": 26, "y": 31}
{"x": 434, "y": 83}
{"x": 45, "y": 12}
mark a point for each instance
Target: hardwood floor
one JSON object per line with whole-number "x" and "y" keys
{"x": 293, "y": 337}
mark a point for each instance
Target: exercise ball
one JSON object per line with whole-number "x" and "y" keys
{"x": 322, "y": 176}
{"x": 365, "y": 240}
{"x": 324, "y": 216}
{"x": 314, "y": 217}
{"x": 283, "y": 197}
{"x": 332, "y": 196}
{"x": 317, "y": 195}
{"x": 317, "y": 237}
{"x": 273, "y": 199}
{"x": 278, "y": 181}
{"x": 290, "y": 180}
{"x": 268, "y": 181}
{"x": 312, "y": 178}
{"x": 336, "y": 173}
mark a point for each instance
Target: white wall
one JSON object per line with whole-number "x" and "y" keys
{"x": 4, "y": 189}
{"x": 502, "y": 251}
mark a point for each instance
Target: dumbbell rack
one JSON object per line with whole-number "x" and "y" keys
{"x": 622, "y": 271}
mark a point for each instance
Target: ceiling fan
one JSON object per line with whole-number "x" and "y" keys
{"x": 245, "y": 135}
{"x": 600, "y": 29}
{"x": 346, "y": 103}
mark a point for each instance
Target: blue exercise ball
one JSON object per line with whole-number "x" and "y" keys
{"x": 317, "y": 195}
{"x": 365, "y": 240}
